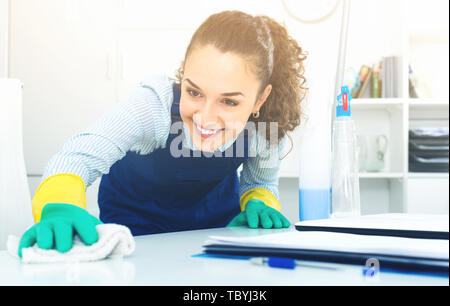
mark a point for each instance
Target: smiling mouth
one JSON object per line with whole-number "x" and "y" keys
{"x": 206, "y": 133}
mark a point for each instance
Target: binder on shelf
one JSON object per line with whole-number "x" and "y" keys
{"x": 385, "y": 78}
{"x": 362, "y": 76}
{"x": 365, "y": 79}
{"x": 376, "y": 90}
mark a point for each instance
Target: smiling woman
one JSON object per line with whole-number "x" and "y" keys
{"x": 213, "y": 115}
{"x": 257, "y": 60}
{"x": 239, "y": 71}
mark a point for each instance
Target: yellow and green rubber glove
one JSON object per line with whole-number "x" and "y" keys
{"x": 257, "y": 214}
{"x": 59, "y": 222}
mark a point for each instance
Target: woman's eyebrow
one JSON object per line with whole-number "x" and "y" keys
{"x": 226, "y": 94}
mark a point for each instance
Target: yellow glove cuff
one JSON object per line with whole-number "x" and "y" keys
{"x": 60, "y": 188}
{"x": 260, "y": 194}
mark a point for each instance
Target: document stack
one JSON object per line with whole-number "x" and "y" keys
{"x": 428, "y": 150}
{"x": 411, "y": 242}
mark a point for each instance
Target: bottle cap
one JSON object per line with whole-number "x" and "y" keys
{"x": 343, "y": 108}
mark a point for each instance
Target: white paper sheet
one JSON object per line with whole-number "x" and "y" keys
{"x": 394, "y": 221}
{"x": 340, "y": 242}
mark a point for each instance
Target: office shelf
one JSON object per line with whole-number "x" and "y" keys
{"x": 418, "y": 175}
{"x": 381, "y": 175}
{"x": 394, "y": 189}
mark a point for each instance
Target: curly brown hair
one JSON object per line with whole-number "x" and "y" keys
{"x": 237, "y": 32}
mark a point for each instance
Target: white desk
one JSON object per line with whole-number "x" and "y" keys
{"x": 166, "y": 259}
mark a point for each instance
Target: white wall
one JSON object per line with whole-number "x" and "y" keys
{"x": 61, "y": 58}
{"x": 78, "y": 57}
{"x": 4, "y": 20}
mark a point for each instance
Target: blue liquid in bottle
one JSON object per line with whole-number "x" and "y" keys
{"x": 314, "y": 204}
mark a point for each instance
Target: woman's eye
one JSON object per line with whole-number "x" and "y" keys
{"x": 193, "y": 93}
{"x": 230, "y": 102}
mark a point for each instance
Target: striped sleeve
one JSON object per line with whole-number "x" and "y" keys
{"x": 139, "y": 123}
{"x": 260, "y": 171}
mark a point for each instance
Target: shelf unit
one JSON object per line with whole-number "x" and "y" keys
{"x": 396, "y": 32}
{"x": 394, "y": 188}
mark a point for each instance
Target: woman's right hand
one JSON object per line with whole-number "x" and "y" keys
{"x": 57, "y": 226}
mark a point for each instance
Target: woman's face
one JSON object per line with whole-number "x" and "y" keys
{"x": 218, "y": 94}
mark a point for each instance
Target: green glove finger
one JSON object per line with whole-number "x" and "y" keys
{"x": 95, "y": 220}
{"x": 266, "y": 222}
{"x": 285, "y": 221}
{"x": 252, "y": 218}
{"x": 276, "y": 220}
{"x": 27, "y": 240}
{"x": 63, "y": 231}
{"x": 44, "y": 235}
{"x": 239, "y": 220}
{"x": 85, "y": 228}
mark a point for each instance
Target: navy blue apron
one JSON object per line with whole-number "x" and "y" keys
{"x": 158, "y": 193}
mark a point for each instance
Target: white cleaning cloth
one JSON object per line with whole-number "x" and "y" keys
{"x": 114, "y": 240}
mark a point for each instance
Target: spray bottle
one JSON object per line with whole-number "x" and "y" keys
{"x": 345, "y": 199}
{"x": 315, "y": 136}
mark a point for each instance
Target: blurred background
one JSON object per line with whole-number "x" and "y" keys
{"x": 76, "y": 58}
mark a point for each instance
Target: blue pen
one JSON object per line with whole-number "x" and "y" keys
{"x": 289, "y": 263}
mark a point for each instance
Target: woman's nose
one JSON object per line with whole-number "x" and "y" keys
{"x": 208, "y": 113}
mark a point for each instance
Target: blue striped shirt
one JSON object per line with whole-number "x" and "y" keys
{"x": 141, "y": 123}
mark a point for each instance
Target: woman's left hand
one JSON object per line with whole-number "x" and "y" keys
{"x": 257, "y": 214}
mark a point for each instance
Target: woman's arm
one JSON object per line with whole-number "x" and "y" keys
{"x": 259, "y": 176}
{"x": 140, "y": 123}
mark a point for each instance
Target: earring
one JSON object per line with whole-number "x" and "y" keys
{"x": 255, "y": 115}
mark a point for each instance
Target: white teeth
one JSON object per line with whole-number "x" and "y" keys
{"x": 208, "y": 132}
